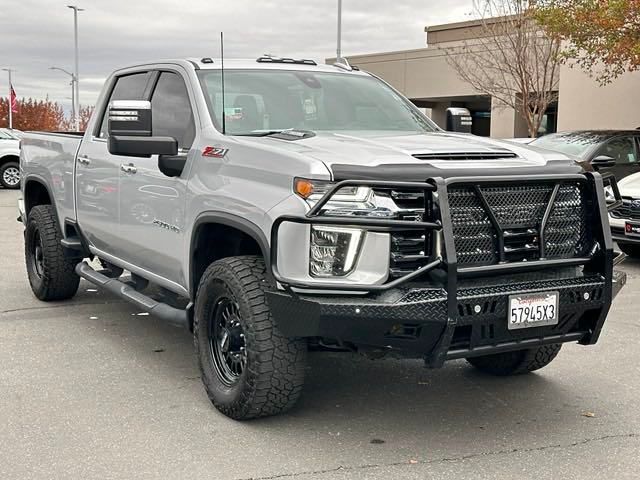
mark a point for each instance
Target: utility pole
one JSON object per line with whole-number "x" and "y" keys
{"x": 76, "y": 9}
{"x": 74, "y": 111}
{"x": 8, "y": 70}
{"x": 339, "y": 47}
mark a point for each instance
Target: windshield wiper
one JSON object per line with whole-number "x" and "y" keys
{"x": 284, "y": 134}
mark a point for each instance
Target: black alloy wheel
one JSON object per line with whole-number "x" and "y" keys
{"x": 227, "y": 341}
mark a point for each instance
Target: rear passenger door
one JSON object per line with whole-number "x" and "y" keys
{"x": 151, "y": 203}
{"x": 98, "y": 172}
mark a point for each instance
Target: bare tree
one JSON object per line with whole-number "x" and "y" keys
{"x": 511, "y": 60}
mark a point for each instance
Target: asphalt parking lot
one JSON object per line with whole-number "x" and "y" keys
{"x": 90, "y": 389}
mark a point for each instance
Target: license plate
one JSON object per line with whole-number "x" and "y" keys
{"x": 533, "y": 310}
{"x": 632, "y": 229}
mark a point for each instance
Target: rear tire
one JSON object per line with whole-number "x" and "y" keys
{"x": 630, "y": 249}
{"x": 51, "y": 273}
{"x": 249, "y": 369}
{"x": 10, "y": 175}
{"x": 516, "y": 362}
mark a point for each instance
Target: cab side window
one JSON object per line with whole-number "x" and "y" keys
{"x": 171, "y": 114}
{"x": 128, "y": 87}
{"x": 622, "y": 149}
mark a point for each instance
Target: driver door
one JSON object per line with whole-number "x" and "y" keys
{"x": 151, "y": 203}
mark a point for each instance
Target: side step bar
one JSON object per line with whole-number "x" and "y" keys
{"x": 166, "y": 312}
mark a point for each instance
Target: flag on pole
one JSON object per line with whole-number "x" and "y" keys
{"x": 13, "y": 100}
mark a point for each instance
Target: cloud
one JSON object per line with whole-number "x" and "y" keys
{"x": 38, "y": 34}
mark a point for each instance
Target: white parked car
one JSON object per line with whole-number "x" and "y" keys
{"x": 625, "y": 220}
{"x": 9, "y": 158}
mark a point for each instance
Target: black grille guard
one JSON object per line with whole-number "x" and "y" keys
{"x": 600, "y": 260}
{"x": 448, "y": 261}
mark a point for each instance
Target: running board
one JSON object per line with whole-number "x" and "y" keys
{"x": 173, "y": 315}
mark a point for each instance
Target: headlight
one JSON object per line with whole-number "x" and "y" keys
{"x": 333, "y": 250}
{"x": 348, "y": 201}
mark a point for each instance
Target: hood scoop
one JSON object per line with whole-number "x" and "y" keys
{"x": 466, "y": 155}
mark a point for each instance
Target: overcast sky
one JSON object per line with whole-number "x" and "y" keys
{"x": 38, "y": 34}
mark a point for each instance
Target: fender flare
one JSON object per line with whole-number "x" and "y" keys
{"x": 32, "y": 177}
{"x": 229, "y": 220}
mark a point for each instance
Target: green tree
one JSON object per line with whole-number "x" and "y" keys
{"x": 602, "y": 36}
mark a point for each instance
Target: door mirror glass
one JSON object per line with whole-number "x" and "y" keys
{"x": 603, "y": 161}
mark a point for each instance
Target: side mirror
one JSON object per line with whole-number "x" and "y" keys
{"x": 130, "y": 132}
{"x": 603, "y": 161}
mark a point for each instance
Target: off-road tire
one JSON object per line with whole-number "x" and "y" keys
{"x": 630, "y": 249}
{"x": 12, "y": 167}
{"x": 273, "y": 376}
{"x": 516, "y": 362}
{"x": 51, "y": 274}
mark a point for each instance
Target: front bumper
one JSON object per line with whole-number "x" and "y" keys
{"x": 618, "y": 234}
{"x": 415, "y": 321}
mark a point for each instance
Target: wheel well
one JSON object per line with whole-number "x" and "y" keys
{"x": 213, "y": 241}
{"x": 9, "y": 158}
{"x": 35, "y": 193}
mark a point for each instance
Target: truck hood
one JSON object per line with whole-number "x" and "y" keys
{"x": 359, "y": 155}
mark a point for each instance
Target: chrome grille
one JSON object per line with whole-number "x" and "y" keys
{"x": 630, "y": 209}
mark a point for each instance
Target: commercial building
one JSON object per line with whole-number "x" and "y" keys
{"x": 425, "y": 76}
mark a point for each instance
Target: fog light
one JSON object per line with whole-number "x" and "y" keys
{"x": 334, "y": 251}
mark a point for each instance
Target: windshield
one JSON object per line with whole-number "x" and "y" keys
{"x": 576, "y": 144}
{"x": 273, "y": 100}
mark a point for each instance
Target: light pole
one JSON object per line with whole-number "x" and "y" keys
{"x": 339, "y": 46}
{"x": 73, "y": 97}
{"x": 76, "y": 9}
{"x": 8, "y": 70}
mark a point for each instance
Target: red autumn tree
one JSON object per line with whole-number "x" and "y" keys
{"x": 44, "y": 115}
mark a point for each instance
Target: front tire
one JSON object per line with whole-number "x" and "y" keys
{"x": 51, "y": 273}
{"x": 249, "y": 369}
{"x": 10, "y": 175}
{"x": 517, "y": 362}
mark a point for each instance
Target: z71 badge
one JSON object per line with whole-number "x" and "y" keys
{"x": 215, "y": 152}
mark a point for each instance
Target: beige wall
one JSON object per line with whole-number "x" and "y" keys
{"x": 584, "y": 104}
{"x": 424, "y": 74}
{"x": 416, "y": 73}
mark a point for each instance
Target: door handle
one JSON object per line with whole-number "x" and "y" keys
{"x": 130, "y": 168}
{"x": 84, "y": 160}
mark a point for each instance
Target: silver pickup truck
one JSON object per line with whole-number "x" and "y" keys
{"x": 277, "y": 204}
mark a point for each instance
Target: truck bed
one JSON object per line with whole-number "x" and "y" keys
{"x": 49, "y": 157}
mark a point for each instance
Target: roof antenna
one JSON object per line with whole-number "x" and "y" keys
{"x": 224, "y": 121}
